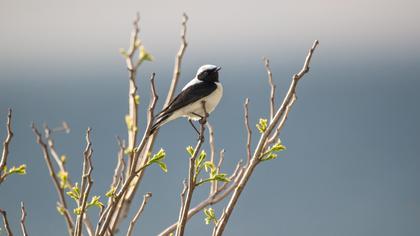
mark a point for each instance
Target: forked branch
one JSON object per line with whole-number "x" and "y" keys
{"x": 256, "y": 158}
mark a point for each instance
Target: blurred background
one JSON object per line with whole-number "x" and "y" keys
{"x": 352, "y": 166}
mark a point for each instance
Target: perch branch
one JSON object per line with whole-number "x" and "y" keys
{"x": 191, "y": 176}
{"x": 22, "y": 220}
{"x": 137, "y": 215}
{"x": 262, "y": 144}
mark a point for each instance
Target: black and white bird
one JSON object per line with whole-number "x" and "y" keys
{"x": 188, "y": 103}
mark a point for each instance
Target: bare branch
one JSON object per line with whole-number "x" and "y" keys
{"x": 213, "y": 185}
{"x": 178, "y": 60}
{"x": 137, "y": 215}
{"x": 48, "y": 132}
{"x": 6, "y": 223}
{"x": 219, "y": 165}
{"x": 60, "y": 190}
{"x": 282, "y": 121}
{"x": 262, "y": 144}
{"x": 6, "y": 143}
{"x": 22, "y": 220}
{"x": 248, "y": 129}
{"x": 272, "y": 86}
{"x": 191, "y": 176}
{"x": 86, "y": 184}
{"x": 132, "y": 118}
{"x": 182, "y": 196}
{"x": 151, "y": 138}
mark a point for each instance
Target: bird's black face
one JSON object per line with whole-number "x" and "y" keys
{"x": 209, "y": 75}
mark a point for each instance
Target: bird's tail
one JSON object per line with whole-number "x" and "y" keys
{"x": 161, "y": 121}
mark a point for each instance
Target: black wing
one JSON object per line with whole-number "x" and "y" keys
{"x": 189, "y": 95}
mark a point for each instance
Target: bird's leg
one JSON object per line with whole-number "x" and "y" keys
{"x": 196, "y": 114}
{"x": 192, "y": 124}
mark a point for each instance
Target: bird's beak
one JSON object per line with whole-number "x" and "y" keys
{"x": 218, "y": 68}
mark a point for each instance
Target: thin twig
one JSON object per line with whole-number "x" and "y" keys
{"x": 272, "y": 86}
{"x": 182, "y": 221}
{"x": 48, "y": 133}
{"x": 86, "y": 184}
{"x": 6, "y": 223}
{"x": 6, "y": 143}
{"x": 248, "y": 129}
{"x": 262, "y": 144}
{"x": 22, "y": 220}
{"x": 119, "y": 169}
{"x": 212, "y": 153}
{"x": 282, "y": 121}
{"x": 178, "y": 60}
{"x": 54, "y": 178}
{"x": 132, "y": 90}
{"x": 61, "y": 164}
{"x": 219, "y": 165}
{"x": 137, "y": 215}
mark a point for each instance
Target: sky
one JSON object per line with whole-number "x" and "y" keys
{"x": 352, "y": 166}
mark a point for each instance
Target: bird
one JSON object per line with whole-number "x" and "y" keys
{"x": 205, "y": 86}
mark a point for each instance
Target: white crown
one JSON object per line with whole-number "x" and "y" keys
{"x": 205, "y": 67}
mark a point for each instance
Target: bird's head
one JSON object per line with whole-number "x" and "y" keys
{"x": 208, "y": 73}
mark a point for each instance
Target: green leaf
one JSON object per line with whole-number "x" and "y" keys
{"x": 60, "y": 210}
{"x": 262, "y": 125}
{"x": 221, "y": 177}
{"x": 123, "y": 52}
{"x": 20, "y": 170}
{"x": 200, "y": 159}
{"x": 158, "y": 156}
{"x": 95, "y": 202}
{"x": 77, "y": 210}
{"x": 270, "y": 156}
{"x": 210, "y": 216}
{"x": 128, "y": 151}
{"x": 162, "y": 165}
{"x": 137, "y": 43}
{"x": 208, "y": 165}
{"x": 63, "y": 159}
{"x": 137, "y": 99}
{"x": 111, "y": 192}
{"x": 278, "y": 147}
{"x": 144, "y": 55}
{"x": 190, "y": 150}
{"x": 128, "y": 122}
{"x": 74, "y": 192}
{"x": 63, "y": 175}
